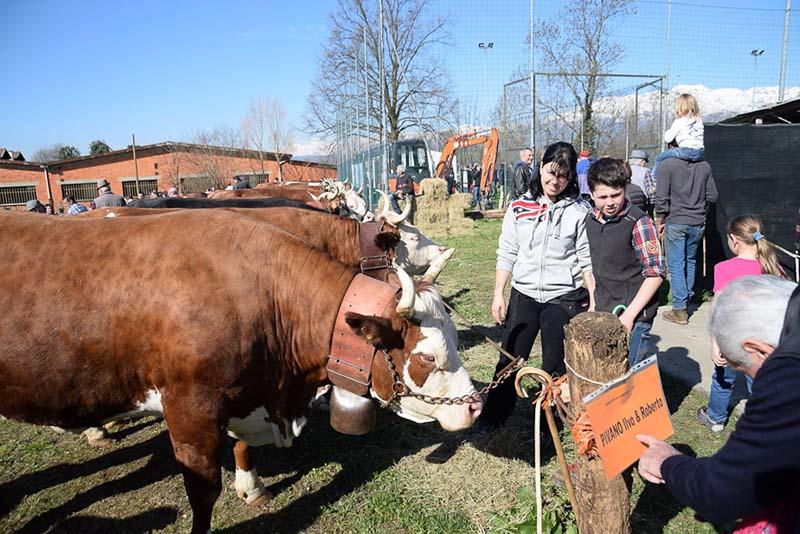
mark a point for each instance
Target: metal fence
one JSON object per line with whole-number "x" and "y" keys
{"x": 506, "y": 65}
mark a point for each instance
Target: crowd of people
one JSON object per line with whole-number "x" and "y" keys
{"x": 603, "y": 234}
{"x": 105, "y": 198}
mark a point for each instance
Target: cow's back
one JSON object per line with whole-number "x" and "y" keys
{"x": 98, "y": 313}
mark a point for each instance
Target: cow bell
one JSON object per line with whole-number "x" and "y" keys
{"x": 350, "y": 413}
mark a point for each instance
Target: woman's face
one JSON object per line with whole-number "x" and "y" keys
{"x": 553, "y": 181}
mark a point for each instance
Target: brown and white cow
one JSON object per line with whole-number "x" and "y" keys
{"x": 242, "y": 327}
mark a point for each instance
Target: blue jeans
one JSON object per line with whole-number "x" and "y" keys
{"x": 688, "y": 154}
{"x": 640, "y": 337}
{"x": 680, "y": 242}
{"x": 395, "y": 204}
{"x": 721, "y": 388}
{"x": 476, "y": 196}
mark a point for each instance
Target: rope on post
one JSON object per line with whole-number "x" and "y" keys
{"x": 544, "y": 398}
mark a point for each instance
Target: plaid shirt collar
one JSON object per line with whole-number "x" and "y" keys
{"x": 598, "y": 215}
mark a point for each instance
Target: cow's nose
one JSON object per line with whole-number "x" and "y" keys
{"x": 442, "y": 249}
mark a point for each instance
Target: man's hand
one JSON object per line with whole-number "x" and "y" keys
{"x": 716, "y": 355}
{"x": 627, "y": 320}
{"x": 652, "y": 459}
{"x": 499, "y": 308}
{"x": 660, "y": 226}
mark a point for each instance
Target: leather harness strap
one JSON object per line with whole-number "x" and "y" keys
{"x": 350, "y": 361}
{"x": 374, "y": 261}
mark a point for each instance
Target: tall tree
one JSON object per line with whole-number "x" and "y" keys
{"x": 47, "y": 153}
{"x": 578, "y": 40}
{"x": 265, "y": 128}
{"x": 66, "y": 152}
{"x": 414, "y": 84}
{"x": 98, "y": 146}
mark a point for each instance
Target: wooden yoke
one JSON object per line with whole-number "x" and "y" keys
{"x": 350, "y": 361}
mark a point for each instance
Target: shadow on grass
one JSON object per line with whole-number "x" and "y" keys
{"x": 361, "y": 458}
{"x": 161, "y": 465}
{"x": 157, "y": 518}
{"x": 656, "y": 506}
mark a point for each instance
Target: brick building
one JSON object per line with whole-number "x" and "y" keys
{"x": 191, "y": 168}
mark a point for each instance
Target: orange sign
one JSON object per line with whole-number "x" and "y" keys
{"x": 621, "y": 409}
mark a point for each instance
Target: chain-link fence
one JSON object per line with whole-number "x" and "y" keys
{"x": 602, "y": 74}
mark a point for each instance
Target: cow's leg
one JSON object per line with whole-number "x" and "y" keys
{"x": 247, "y": 484}
{"x": 193, "y": 419}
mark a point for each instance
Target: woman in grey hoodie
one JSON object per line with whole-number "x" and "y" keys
{"x": 544, "y": 251}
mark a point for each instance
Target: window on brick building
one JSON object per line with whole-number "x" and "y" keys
{"x": 11, "y": 195}
{"x": 196, "y": 184}
{"x": 82, "y": 191}
{"x": 255, "y": 178}
{"x": 145, "y": 186}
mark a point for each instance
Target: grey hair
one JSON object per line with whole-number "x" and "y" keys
{"x": 751, "y": 307}
{"x": 401, "y": 168}
{"x": 521, "y": 152}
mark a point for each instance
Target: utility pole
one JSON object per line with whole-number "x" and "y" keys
{"x": 533, "y": 87}
{"x": 756, "y": 54}
{"x": 485, "y": 47}
{"x": 785, "y": 51}
{"x": 136, "y": 164}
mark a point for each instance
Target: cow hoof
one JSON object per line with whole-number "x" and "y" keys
{"x": 258, "y": 497}
{"x": 100, "y": 443}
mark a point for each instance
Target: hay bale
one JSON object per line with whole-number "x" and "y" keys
{"x": 439, "y": 212}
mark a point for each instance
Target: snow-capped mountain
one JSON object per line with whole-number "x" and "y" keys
{"x": 715, "y": 104}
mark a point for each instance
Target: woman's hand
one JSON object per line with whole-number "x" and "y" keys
{"x": 499, "y": 308}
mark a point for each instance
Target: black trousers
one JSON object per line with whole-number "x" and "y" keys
{"x": 524, "y": 319}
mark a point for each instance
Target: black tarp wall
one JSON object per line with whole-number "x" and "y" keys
{"x": 757, "y": 171}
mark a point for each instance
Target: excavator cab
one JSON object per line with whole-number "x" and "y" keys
{"x": 413, "y": 153}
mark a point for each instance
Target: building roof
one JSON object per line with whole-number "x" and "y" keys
{"x": 784, "y": 113}
{"x": 172, "y": 146}
{"x": 13, "y": 155}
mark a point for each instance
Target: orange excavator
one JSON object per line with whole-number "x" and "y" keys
{"x": 489, "y": 138}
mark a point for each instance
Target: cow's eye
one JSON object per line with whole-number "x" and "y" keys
{"x": 428, "y": 358}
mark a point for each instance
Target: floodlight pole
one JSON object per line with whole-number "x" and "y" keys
{"x": 756, "y": 54}
{"x": 785, "y": 50}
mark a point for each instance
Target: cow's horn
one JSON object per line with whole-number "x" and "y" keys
{"x": 316, "y": 198}
{"x": 328, "y": 195}
{"x": 360, "y": 190}
{"x": 386, "y": 203}
{"x": 405, "y": 308}
{"x": 395, "y": 219}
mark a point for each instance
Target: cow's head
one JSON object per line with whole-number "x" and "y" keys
{"x": 421, "y": 340}
{"x": 416, "y": 253}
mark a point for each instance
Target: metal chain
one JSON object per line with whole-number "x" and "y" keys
{"x": 399, "y": 388}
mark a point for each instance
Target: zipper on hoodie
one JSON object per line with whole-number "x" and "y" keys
{"x": 544, "y": 250}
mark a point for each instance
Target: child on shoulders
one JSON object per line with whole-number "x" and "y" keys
{"x": 687, "y": 132}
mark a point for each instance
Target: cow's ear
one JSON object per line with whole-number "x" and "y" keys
{"x": 387, "y": 241}
{"x": 376, "y": 330}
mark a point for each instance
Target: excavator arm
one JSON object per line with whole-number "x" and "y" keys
{"x": 489, "y": 138}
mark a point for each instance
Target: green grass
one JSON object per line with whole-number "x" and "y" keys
{"x": 403, "y": 477}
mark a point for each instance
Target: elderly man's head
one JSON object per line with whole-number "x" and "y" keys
{"x": 400, "y": 169}
{"x": 747, "y": 319}
{"x": 526, "y": 156}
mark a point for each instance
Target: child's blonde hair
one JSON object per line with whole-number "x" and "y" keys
{"x": 685, "y": 105}
{"x": 748, "y": 228}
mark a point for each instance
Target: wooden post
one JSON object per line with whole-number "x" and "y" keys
{"x": 136, "y": 165}
{"x": 596, "y": 347}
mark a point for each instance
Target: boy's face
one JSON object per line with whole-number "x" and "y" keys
{"x": 609, "y": 200}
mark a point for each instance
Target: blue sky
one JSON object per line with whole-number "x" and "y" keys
{"x": 81, "y": 70}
